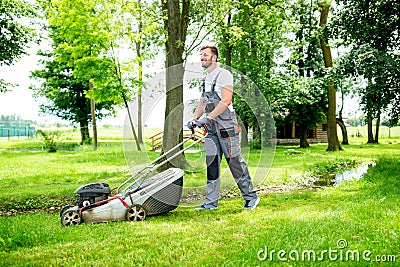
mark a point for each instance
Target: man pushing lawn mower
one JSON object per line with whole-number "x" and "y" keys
{"x": 223, "y": 132}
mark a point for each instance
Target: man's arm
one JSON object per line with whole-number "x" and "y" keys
{"x": 199, "y": 109}
{"x": 226, "y": 93}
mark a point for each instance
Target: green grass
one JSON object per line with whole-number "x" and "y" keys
{"x": 386, "y": 134}
{"x": 365, "y": 213}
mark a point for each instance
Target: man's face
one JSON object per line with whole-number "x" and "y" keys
{"x": 207, "y": 58}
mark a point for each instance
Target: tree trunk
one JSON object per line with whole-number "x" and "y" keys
{"x": 378, "y": 122}
{"x": 84, "y": 129}
{"x": 140, "y": 108}
{"x": 173, "y": 133}
{"x": 131, "y": 122}
{"x": 257, "y": 135}
{"x": 94, "y": 123}
{"x": 303, "y": 137}
{"x": 342, "y": 126}
{"x": 140, "y": 63}
{"x": 228, "y": 46}
{"x": 333, "y": 140}
{"x": 300, "y": 39}
{"x": 369, "y": 128}
{"x": 176, "y": 19}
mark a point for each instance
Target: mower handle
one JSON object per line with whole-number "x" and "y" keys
{"x": 154, "y": 167}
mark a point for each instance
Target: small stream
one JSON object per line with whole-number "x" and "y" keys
{"x": 351, "y": 174}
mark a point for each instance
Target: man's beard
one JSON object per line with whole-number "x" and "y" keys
{"x": 206, "y": 64}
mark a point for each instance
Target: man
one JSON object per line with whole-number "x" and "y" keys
{"x": 223, "y": 132}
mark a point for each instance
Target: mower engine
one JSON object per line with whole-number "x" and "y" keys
{"x": 91, "y": 193}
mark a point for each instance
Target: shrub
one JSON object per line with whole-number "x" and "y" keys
{"x": 50, "y": 139}
{"x": 255, "y": 145}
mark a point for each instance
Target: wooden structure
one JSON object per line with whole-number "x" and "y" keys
{"x": 288, "y": 133}
{"x": 157, "y": 139}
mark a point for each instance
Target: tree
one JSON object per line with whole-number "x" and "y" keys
{"x": 81, "y": 43}
{"x": 304, "y": 101}
{"x": 344, "y": 86}
{"x": 333, "y": 141}
{"x": 305, "y": 105}
{"x": 373, "y": 54}
{"x": 250, "y": 37}
{"x": 176, "y": 20}
{"x": 66, "y": 97}
{"x": 14, "y": 35}
{"x": 143, "y": 30}
{"x": 93, "y": 41}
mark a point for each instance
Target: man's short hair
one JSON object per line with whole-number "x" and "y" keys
{"x": 213, "y": 49}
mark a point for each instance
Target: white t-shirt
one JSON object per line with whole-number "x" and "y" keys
{"x": 225, "y": 78}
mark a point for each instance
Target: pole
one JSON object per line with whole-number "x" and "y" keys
{"x": 93, "y": 112}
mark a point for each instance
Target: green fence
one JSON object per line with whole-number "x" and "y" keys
{"x": 11, "y": 131}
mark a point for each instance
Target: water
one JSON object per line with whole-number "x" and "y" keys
{"x": 351, "y": 174}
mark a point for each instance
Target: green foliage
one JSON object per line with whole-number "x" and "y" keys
{"x": 81, "y": 30}
{"x": 50, "y": 139}
{"x": 389, "y": 122}
{"x": 62, "y": 83}
{"x": 250, "y": 36}
{"x": 95, "y": 36}
{"x": 254, "y": 145}
{"x": 15, "y": 34}
{"x": 66, "y": 96}
{"x": 373, "y": 52}
{"x": 354, "y": 121}
{"x": 333, "y": 166}
{"x": 14, "y": 120}
{"x": 91, "y": 56}
{"x": 306, "y": 102}
{"x": 34, "y": 203}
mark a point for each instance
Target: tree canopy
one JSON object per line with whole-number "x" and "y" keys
{"x": 15, "y": 33}
{"x": 374, "y": 54}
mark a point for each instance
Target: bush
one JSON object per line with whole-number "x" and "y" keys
{"x": 50, "y": 139}
{"x": 255, "y": 145}
{"x": 333, "y": 166}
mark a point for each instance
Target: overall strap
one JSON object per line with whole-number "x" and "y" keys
{"x": 215, "y": 82}
{"x": 203, "y": 83}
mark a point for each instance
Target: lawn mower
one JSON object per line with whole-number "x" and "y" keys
{"x": 144, "y": 193}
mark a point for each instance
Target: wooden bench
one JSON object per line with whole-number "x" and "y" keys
{"x": 157, "y": 139}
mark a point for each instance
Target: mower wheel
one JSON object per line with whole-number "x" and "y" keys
{"x": 64, "y": 208}
{"x": 70, "y": 217}
{"x": 135, "y": 213}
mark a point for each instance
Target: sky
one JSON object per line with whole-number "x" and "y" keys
{"x": 19, "y": 100}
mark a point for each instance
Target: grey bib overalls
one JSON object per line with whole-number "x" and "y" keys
{"x": 224, "y": 138}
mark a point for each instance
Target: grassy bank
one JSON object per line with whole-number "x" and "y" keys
{"x": 358, "y": 218}
{"x": 364, "y": 215}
